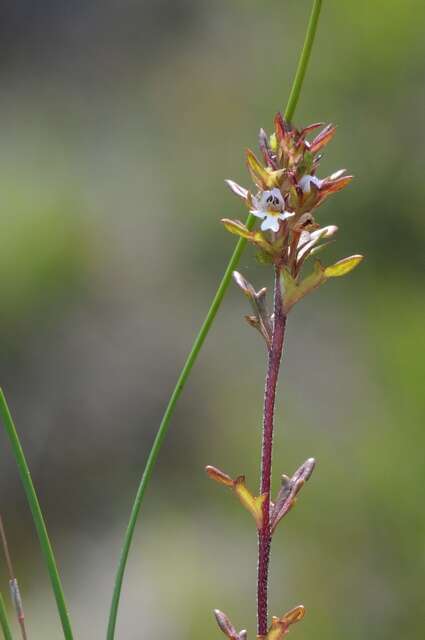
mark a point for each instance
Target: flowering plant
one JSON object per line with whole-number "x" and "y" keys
{"x": 287, "y": 194}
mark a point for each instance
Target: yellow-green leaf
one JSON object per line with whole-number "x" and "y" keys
{"x": 293, "y": 291}
{"x": 219, "y": 476}
{"x": 343, "y": 266}
{"x": 279, "y": 626}
{"x": 257, "y": 171}
{"x": 238, "y": 228}
{"x": 273, "y": 142}
{"x": 260, "y": 240}
{"x": 254, "y": 504}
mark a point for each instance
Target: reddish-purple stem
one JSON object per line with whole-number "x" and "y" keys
{"x": 264, "y": 534}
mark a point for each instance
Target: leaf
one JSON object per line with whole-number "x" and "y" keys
{"x": 263, "y": 142}
{"x": 289, "y": 490}
{"x": 313, "y": 238}
{"x": 264, "y": 257}
{"x": 311, "y": 127}
{"x": 237, "y": 228}
{"x": 237, "y": 189}
{"x": 261, "y": 318}
{"x": 293, "y": 291}
{"x": 280, "y": 626}
{"x": 225, "y": 625}
{"x": 273, "y": 142}
{"x": 323, "y": 138}
{"x": 280, "y": 126}
{"x": 258, "y": 173}
{"x": 337, "y": 174}
{"x": 254, "y": 504}
{"x": 243, "y": 284}
{"x": 343, "y": 266}
{"x": 306, "y": 165}
{"x": 219, "y": 476}
{"x": 257, "y": 237}
{"x": 334, "y": 185}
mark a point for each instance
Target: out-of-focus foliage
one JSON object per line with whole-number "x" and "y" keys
{"x": 119, "y": 123}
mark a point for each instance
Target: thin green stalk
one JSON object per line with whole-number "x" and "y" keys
{"x": 199, "y": 341}
{"x": 197, "y": 345}
{"x": 4, "y": 621}
{"x": 37, "y": 516}
{"x": 303, "y": 61}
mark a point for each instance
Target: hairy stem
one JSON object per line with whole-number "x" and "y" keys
{"x": 264, "y": 534}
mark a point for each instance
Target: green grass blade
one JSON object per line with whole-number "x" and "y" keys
{"x": 37, "y": 516}
{"x": 162, "y": 430}
{"x": 200, "y": 339}
{"x": 303, "y": 61}
{"x": 4, "y": 621}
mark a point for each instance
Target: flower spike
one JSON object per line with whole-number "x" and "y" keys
{"x": 288, "y": 191}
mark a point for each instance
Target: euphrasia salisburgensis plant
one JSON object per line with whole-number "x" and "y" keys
{"x": 286, "y": 197}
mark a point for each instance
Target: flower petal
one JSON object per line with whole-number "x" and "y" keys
{"x": 285, "y": 214}
{"x": 306, "y": 182}
{"x": 258, "y": 213}
{"x": 270, "y": 222}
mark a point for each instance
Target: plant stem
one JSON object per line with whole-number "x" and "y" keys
{"x": 264, "y": 534}
{"x": 37, "y": 516}
{"x": 199, "y": 341}
{"x": 4, "y": 621}
{"x": 303, "y": 61}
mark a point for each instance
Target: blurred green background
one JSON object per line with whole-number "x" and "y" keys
{"x": 119, "y": 122}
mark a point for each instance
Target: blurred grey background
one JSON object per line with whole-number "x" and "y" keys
{"x": 119, "y": 121}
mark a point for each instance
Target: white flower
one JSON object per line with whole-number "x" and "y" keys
{"x": 306, "y": 182}
{"x": 270, "y": 206}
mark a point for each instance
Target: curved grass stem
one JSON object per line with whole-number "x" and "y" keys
{"x": 197, "y": 345}
{"x": 200, "y": 339}
{"x": 303, "y": 61}
{"x": 37, "y": 516}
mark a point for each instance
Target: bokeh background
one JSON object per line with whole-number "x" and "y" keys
{"x": 119, "y": 121}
